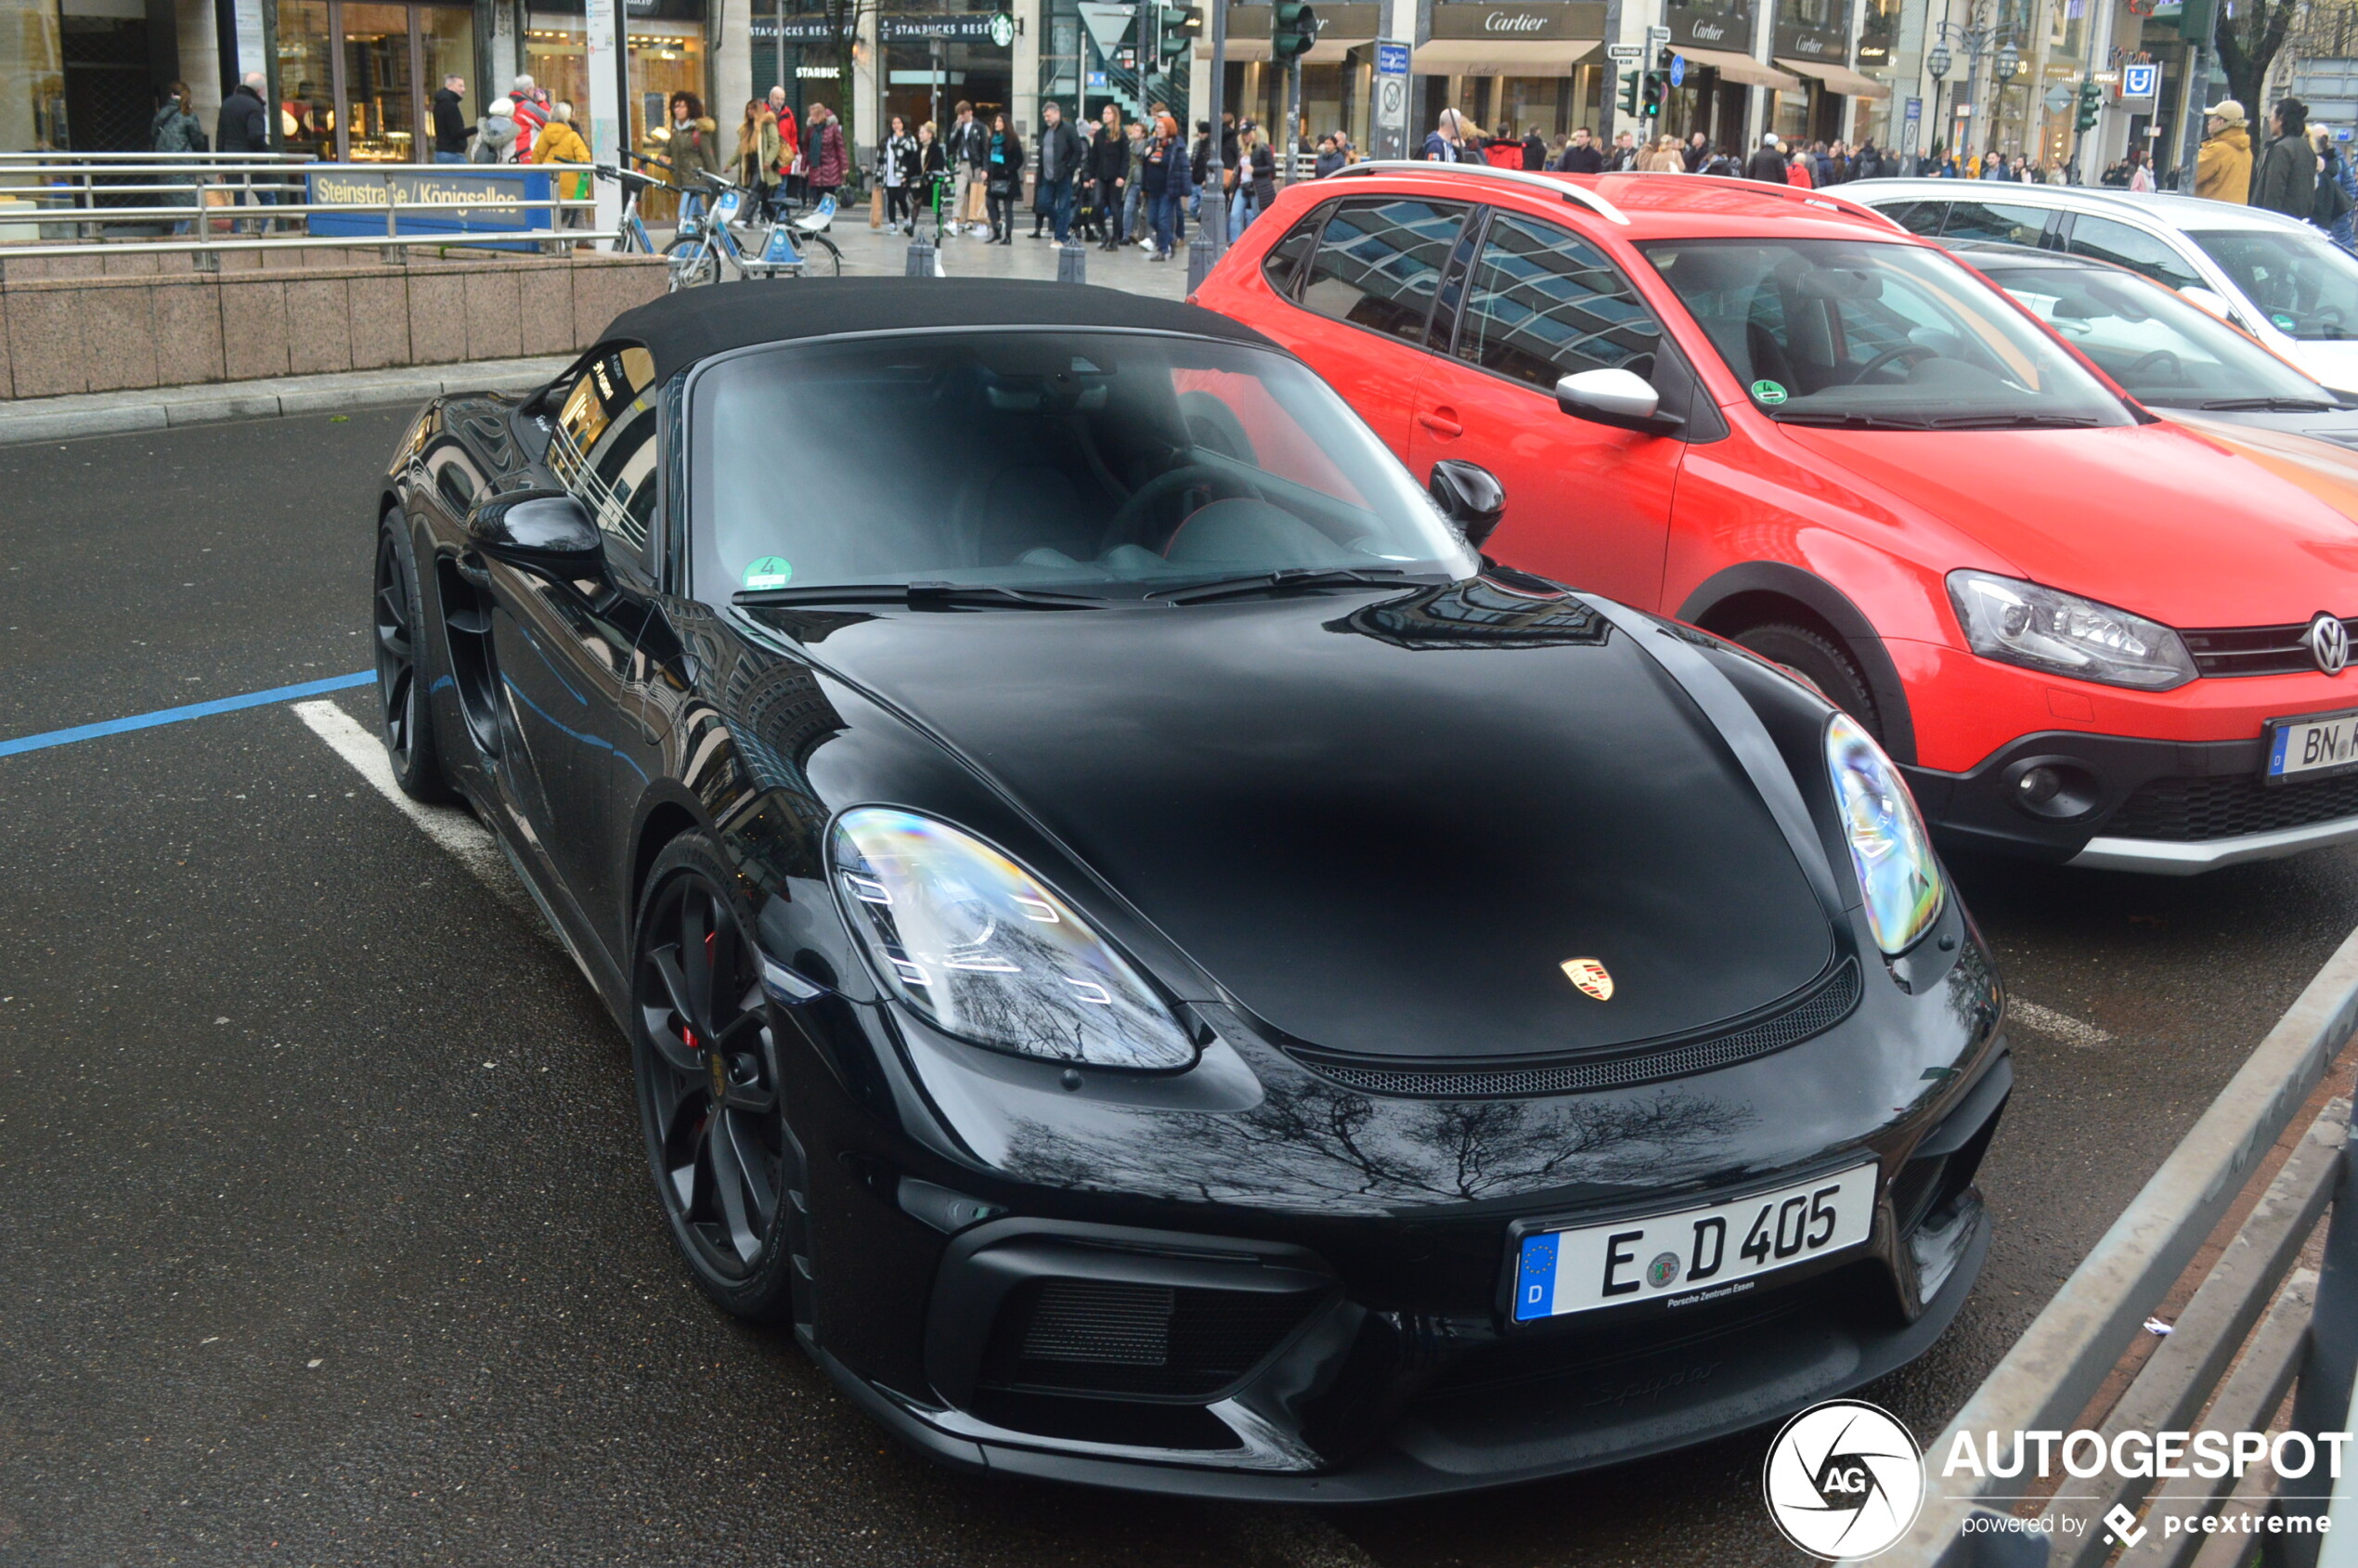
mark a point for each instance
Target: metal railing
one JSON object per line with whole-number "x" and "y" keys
{"x": 259, "y": 203}
{"x": 2213, "y": 1357}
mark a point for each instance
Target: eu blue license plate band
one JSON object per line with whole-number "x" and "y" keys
{"x": 1536, "y": 1281}
{"x": 2276, "y": 753}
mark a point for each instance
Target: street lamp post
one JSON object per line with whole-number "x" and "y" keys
{"x": 1975, "y": 41}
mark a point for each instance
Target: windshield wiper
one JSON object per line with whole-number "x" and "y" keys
{"x": 917, "y": 593}
{"x": 2013, "y": 421}
{"x": 1850, "y": 421}
{"x": 2268, "y": 405}
{"x": 1283, "y": 578}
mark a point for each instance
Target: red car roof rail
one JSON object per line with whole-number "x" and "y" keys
{"x": 1579, "y": 195}
{"x": 1824, "y": 199}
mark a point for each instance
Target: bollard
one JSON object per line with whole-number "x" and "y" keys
{"x": 924, "y": 260}
{"x": 1073, "y": 261}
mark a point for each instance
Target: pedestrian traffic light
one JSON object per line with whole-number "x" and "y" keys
{"x": 2090, "y": 96}
{"x": 1293, "y": 27}
{"x": 1182, "y": 25}
{"x": 1632, "y": 84}
{"x": 1657, "y": 87}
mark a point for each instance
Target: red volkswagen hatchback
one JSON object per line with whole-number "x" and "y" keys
{"x": 2089, "y": 636}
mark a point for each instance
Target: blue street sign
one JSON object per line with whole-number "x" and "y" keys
{"x": 1391, "y": 59}
{"x": 1678, "y": 70}
{"x": 2140, "y": 81}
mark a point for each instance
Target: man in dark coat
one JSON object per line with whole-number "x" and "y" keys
{"x": 1583, "y": 156}
{"x": 245, "y": 119}
{"x": 1058, "y": 157}
{"x": 1534, "y": 151}
{"x": 451, "y": 127}
{"x": 1766, "y": 163}
{"x": 244, "y": 126}
{"x": 2285, "y": 178}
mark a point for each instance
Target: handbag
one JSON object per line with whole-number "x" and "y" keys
{"x": 876, "y": 207}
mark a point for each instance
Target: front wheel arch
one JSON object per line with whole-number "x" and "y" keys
{"x": 1759, "y": 592}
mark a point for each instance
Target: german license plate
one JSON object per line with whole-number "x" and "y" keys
{"x": 1694, "y": 1254}
{"x": 2315, "y": 747}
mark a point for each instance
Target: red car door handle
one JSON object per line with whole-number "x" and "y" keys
{"x": 1442, "y": 422}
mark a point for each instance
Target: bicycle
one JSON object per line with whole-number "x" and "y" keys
{"x": 630, "y": 236}
{"x": 709, "y": 239}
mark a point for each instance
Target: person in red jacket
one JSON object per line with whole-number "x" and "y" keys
{"x": 532, "y": 112}
{"x": 1797, "y": 169}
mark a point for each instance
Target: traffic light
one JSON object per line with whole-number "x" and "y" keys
{"x": 1182, "y": 25}
{"x": 1293, "y": 27}
{"x": 2090, "y": 97}
{"x": 1632, "y": 84}
{"x": 1657, "y": 87}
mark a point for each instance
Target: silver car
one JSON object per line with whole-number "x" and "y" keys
{"x": 2280, "y": 279}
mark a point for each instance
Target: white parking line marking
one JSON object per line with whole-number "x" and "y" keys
{"x": 468, "y": 841}
{"x": 2062, "y": 1026}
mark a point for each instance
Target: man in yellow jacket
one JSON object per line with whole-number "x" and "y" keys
{"x": 2223, "y": 168}
{"x": 557, "y": 142}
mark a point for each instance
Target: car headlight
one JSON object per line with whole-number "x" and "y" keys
{"x": 2023, "y": 623}
{"x": 975, "y": 946}
{"x": 1888, "y": 846}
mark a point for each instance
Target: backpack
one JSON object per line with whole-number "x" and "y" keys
{"x": 2332, "y": 204}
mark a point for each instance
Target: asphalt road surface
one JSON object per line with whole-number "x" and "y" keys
{"x": 325, "y": 1233}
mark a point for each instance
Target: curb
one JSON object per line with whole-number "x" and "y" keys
{"x": 116, "y": 413}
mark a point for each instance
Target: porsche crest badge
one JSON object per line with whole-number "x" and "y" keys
{"x": 1589, "y": 976}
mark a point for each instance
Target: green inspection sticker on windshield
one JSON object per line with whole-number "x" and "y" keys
{"x": 1771, "y": 393}
{"x": 2284, "y": 321}
{"x": 770, "y": 571}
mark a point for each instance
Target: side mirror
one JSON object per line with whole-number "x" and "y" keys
{"x": 2211, "y": 301}
{"x": 1470, "y": 496}
{"x": 1620, "y": 399}
{"x": 546, "y": 530}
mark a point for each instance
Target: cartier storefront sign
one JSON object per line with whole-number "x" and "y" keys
{"x": 1710, "y": 24}
{"x": 1542, "y": 19}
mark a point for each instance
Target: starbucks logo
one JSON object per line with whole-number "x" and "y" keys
{"x": 1003, "y": 30}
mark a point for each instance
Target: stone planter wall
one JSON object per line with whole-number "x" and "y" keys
{"x": 74, "y": 324}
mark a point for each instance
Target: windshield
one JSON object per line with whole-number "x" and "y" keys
{"x": 1888, "y": 336}
{"x": 2165, "y": 350}
{"x": 1089, "y": 463}
{"x": 2305, "y": 284}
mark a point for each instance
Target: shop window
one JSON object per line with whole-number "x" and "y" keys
{"x": 32, "y": 81}
{"x": 1546, "y": 304}
{"x": 381, "y": 90}
{"x": 306, "y": 79}
{"x": 1379, "y": 263}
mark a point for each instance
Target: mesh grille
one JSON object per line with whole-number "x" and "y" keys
{"x": 1084, "y": 1320}
{"x": 2195, "y": 810}
{"x": 1087, "y": 1335}
{"x": 2255, "y": 650}
{"x": 1813, "y": 1012}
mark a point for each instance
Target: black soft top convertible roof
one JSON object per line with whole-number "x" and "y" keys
{"x": 680, "y": 329}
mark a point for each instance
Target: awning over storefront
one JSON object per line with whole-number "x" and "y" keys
{"x": 1839, "y": 78}
{"x": 1503, "y": 57}
{"x": 1733, "y": 67}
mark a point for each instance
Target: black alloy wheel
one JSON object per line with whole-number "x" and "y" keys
{"x": 708, "y": 1073}
{"x": 406, "y": 714}
{"x": 1822, "y": 663}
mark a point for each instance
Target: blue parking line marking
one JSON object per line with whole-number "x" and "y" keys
{"x": 193, "y": 711}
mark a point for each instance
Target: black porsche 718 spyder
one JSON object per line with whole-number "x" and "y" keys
{"x": 1166, "y": 968}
